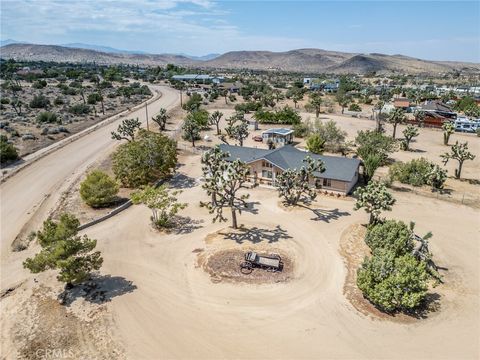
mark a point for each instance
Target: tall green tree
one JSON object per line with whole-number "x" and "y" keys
{"x": 374, "y": 198}
{"x": 64, "y": 250}
{"x": 460, "y": 153}
{"x": 151, "y": 157}
{"x": 293, "y": 184}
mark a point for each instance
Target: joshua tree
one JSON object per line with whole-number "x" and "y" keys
{"x": 460, "y": 153}
{"x": 379, "y": 106}
{"x": 292, "y": 184}
{"x": 225, "y": 95}
{"x": 343, "y": 101}
{"x": 223, "y": 186}
{"x": 420, "y": 117}
{"x": 374, "y": 198}
{"x": 436, "y": 177}
{"x": 296, "y": 97}
{"x": 316, "y": 102}
{"x": 237, "y": 128}
{"x": 161, "y": 119}
{"x": 126, "y": 130}
{"x": 214, "y": 119}
{"x": 213, "y": 161}
{"x": 191, "y": 130}
{"x": 409, "y": 133}
{"x": 448, "y": 129}
{"x": 395, "y": 117}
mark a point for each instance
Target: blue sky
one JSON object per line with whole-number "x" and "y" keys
{"x": 438, "y": 30}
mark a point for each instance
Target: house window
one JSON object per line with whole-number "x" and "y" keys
{"x": 266, "y": 164}
{"x": 267, "y": 174}
{"x": 327, "y": 182}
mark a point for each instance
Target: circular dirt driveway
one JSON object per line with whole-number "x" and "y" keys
{"x": 179, "y": 311}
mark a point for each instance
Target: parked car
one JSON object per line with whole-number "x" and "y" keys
{"x": 257, "y": 138}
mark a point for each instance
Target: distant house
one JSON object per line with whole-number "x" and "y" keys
{"x": 279, "y": 136}
{"x": 199, "y": 78}
{"x": 401, "y": 103}
{"x": 436, "y": 113}
{"x": 340, "y": 175}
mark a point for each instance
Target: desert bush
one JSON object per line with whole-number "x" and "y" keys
{"x": 286, "y": 115}
{"x": 354, "y": 107}
{"x": 80, "y": 109}
{"x": 39, "y": 102}
{"x": 414, "y": 172}
{"x": 301, "y": 130}
{"x": 248, "y": 106}
{"x": 8, "y": 152}
{"x": 58, "y": 101}
{"x": 98, "y": 189}
{"x": 47, "y": 117}
{"x": 393, "y": 283}
{"x": 39, "y": 84}
{"x": 390, "y": 235}
{"x": 150, "y": 157}
{"x": 315, "y": 143}
{"x": 93, "y": 98}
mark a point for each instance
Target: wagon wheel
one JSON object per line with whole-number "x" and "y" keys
{"x": 246, "y": 268}
{"x": 276, "y": 256}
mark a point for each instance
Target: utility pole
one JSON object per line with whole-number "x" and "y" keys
{"x": 146, "y": 114}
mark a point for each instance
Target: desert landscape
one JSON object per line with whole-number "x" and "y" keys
{"x": 244, "y": 204}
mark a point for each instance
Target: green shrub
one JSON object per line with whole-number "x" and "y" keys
{"x": 414, "y": 172}
{"x": 80, "y": 109}
{"x": 316, "y": 144}
{"x": 39, "y": 102}
{"x": 8, "y": 152}
{"x": 248, "y": 106}
{"x": 48, "y": 117}
{"x": 39, "y": 84}
{"x": 58, "y": 101}
{"x": 287, "y": 115}
{"x": 354, "y": 107}
{"x": 301, "y": 130}
{"x": 98, "y": 189}
{"x": 393, "y": 283}
{"x": 390, "y": 235}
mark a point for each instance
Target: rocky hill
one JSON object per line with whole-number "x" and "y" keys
{"x": 301, "y": 60}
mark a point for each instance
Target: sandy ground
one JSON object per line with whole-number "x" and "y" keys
{"x": 307, "y": 317}
{"x": 163, "y": 305}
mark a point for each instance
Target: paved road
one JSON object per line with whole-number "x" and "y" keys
{"x": 38, "y": 186}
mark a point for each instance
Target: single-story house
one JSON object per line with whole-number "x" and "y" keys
{"x": 340, "y": 175}
{"x": 279, "y": 136}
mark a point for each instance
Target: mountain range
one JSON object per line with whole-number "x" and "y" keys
{"x": 307, "y": 61}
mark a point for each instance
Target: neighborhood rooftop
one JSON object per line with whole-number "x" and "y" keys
{"x": 289, "y": 157}
{"x": 281, "y": 131}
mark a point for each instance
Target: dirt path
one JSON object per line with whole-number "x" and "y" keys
{"x": 36, "y": 188}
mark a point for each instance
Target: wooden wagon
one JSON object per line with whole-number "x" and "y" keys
{"x": 271, "y": 263}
